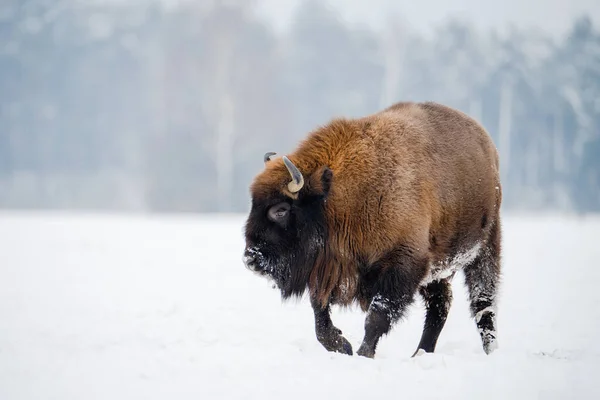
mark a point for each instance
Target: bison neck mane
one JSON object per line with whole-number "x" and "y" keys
{"x": 322, "y": 260}
{"x": 330, "y": 277}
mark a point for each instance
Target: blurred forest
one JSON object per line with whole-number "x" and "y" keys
{"x": 156, "y": 107}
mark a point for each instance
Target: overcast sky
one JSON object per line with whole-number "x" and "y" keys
{"x": 553, "y": 16}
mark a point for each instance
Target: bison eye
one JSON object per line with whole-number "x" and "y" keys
{"x": 279, "y": 212}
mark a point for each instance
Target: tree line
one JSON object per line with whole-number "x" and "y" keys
{"x": 170, "y": 108}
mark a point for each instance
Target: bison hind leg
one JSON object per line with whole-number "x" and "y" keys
{"x": 482, "y": 278}
{"x": 437, "y": 297}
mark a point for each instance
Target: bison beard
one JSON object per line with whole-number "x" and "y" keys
{"x": 377, "y": 210}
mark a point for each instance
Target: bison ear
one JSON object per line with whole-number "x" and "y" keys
{"x": 326, "y": 180}
{"x": 319, "y": 185}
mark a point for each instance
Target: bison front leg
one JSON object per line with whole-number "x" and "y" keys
{"x": 393, "y": 291}
{"x": 327, "y": 334}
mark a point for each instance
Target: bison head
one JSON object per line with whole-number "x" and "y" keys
{"x": 286, "y": 229}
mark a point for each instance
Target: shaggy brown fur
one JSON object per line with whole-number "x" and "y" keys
{"x": 413, "y": 175}
{"x": 416, "y": 176}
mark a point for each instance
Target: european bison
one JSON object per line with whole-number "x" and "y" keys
{"x": 375, "y": 209}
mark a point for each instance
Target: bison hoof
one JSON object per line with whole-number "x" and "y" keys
{"x": 346, "y": 346}
{"x": 489, "y": 344}
{"x": 340, "y": 345}
{"x": 366, "y": 351}
{"x": 336, "y": 343}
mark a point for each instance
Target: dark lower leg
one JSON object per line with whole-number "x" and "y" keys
{"x": 327, "y": 334}
{"x": 482, "y": 278}
{"x": 438, "y": 299}
{"x": 486, "y": 325}
{"x": 392, "y": 290}
{"x": 482, "y": 298}
{"x": 382, "y": 314}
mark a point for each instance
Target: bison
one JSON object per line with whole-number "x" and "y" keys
{"x": 373, "y": 210}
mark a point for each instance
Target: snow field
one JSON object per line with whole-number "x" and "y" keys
{"x": 136, "y": 307}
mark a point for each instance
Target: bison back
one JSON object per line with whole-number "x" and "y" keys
{"x": 433, "y": 181}
{"x": 457, "y": 175}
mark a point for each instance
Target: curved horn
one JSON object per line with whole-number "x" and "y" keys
{"x": 297, "y": 179}
{"x": 268, "y": 155}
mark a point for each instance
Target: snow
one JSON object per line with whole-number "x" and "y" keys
{"x": 449, "y": 267}
{"x": 479, "y": 314}
{"x": 137, "y": 307}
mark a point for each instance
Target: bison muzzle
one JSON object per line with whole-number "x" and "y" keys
{"x": 377, "y": 209}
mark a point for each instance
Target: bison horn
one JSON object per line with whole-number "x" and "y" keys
{"x": 297, "y": 179}
{"x": 268, "y": 155}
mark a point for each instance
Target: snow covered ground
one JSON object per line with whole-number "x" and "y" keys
{"x": 133, "y": 307}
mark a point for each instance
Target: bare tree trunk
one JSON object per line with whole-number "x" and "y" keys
{"x": 475, "y": 109}
{"x": 559, "y": 160}
{"x": 504, "y": 127}
{"x": 225, "y": 122}
{"x": 224, "y": 160}
{"x": 557, "y": 142}
{"x": 393, "y": 47}
{"x": 533, "y": 158}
